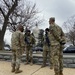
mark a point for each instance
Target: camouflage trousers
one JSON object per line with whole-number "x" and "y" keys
{"x": 56, "y": 54}
{"x": 46, "y": 53}
{"x": 29, "y": 54}
{"x": 16, "y": 58}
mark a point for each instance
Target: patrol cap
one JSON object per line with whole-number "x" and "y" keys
{"x": 28, "y": 30}
{"x": 47, "y": 29}
{"x": 20, "y": 27}
{"x": 52, "y": 18}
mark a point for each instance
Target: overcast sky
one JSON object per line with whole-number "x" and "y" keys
{"x": 60, "y": 9}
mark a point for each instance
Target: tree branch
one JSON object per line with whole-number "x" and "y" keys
{"x": 12, "y": 0}
{"x": 2, "y": 12}
{"x": 13, "y": 7}
{"x": 6, "y": 4}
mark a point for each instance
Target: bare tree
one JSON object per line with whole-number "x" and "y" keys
{"x": 6, "y": 8}
{"x": 14, "y": 12}
{"x": 25, "y": 14}
{"x": 70, "y": 28}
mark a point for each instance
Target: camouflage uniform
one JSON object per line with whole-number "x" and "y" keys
{"x": 17, "y": 44}
{"x": 30, "y": 41}
{"x": 56, "y": 36}
{"x": 46, "y": 48}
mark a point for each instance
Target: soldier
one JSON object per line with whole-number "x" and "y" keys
{"x": 17, "y": 44}
{"x": 30, "y": 41}
{"x": 46, "y": 47}
{"x": 57, "y": 40}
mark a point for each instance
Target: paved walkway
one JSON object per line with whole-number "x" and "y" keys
{"x": 5, "y": 69}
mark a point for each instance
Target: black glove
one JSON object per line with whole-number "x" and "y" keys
{"x": 62, "y": 42}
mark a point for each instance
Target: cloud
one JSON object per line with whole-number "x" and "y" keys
{"x": 60, "y": 9}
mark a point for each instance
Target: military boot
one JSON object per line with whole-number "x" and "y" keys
{"x": 60, "y": 73}
{"x": 26, "y": 62}
{"x": 51, "y": 66}
{"x": 13, "y": 68}
{"x": 31, "y": 63}
{"x": 18, "y": 71}
{"x": 56, "y": 73}
{"x": 43, "y": 65}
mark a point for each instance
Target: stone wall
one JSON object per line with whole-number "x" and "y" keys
{"x": 69, "y": 59}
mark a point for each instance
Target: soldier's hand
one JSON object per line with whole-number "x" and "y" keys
{"x": 62, "y": 42}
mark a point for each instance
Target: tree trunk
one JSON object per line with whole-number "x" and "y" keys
{"x": 6, "y": 18}
{"x": 1, "y": 42}
{"x": 2, "y": 33}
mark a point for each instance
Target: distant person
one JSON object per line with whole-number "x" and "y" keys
{"x": 46, "y": 48}
{"x": 29, "y": 41}
{"x": 18, "y": 45}
{"x": 57, "y": 40}
{"x": 40, "y": 37}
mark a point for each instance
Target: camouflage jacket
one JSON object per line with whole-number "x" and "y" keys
{"x": 56, "y": 35}
{"x": 29, "y": 40}
{"x": 46, "y": 40}
{"x": 17, "y": 40}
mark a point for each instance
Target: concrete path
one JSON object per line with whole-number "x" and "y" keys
{"x": 5, "y": 69}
